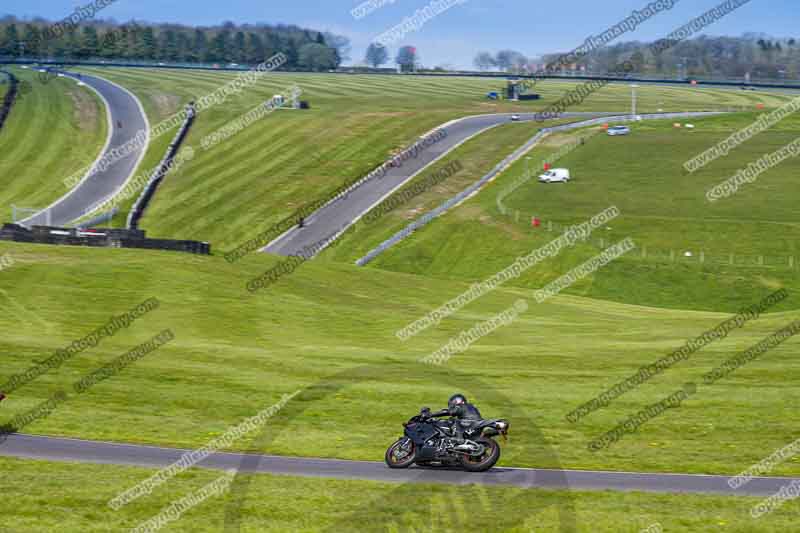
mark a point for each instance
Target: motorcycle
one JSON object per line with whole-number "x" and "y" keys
{"x": 430, "y": 442}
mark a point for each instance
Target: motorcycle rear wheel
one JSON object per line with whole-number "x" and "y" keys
{"x": 392, "y": 461}
{"x": 482, "y": 463}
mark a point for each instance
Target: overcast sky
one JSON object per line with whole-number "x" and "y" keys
{"x": 456, "y": 35}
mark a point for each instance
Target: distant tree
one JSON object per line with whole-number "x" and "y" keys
{"x": 90, "y": 46}
{"x": 255, "y": 48}
{"x": 292, "y": 53}
{"x": 9, "y": 46}
{"x": 519, "y": 62}
{"x": 33, "y": 45}
{"x": 377, "y": 55}
{"x": 272, "y": 44}
{"x": 314, "y": 56}
{"x": 340, "y": 44}
{"x": 184, "y": 46}
{"x": 245, "y": 43}
{"x": 200, "y": 50}
{"x": 108, "y": 42}
{"x": 72, "y": 45}
{"x": 407, "y": 58}
{"x": 505, "y": 59}
{"x": 510, "y": 60}
{"x": 168, "y": 45}
{"x": 484, "y": 61}
{"x": 148, "y": 43}
{"x": 638, "y": 61}
{"x": 238, "y": 49}
{"x": 220, "y": 45}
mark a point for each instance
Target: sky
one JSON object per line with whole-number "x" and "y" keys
{"x": 453, "y": 37}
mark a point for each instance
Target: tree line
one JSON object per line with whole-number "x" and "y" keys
{"x": 407, "y": 58}
{"x": 141, "y": 41}
{"x": 758, "y": 55}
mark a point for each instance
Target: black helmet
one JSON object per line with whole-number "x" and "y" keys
{"x": 456, "y": 399}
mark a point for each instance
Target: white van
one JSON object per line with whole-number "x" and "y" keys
{"x": 556, "y": 175}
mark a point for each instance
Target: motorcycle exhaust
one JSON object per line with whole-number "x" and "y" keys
{"x": 502, "y": 428}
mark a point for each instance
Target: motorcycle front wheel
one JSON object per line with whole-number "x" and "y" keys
{"x": 401, "y": 454}
{"x": 485, "y": 461}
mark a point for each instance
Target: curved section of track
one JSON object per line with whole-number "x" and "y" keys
{"x": 73, "y": 450}
{"x": 126, "y": 118}
{"x": 328, "y": 222}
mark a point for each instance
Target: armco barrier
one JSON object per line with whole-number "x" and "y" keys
{"x": 98, "y": 237}
{"x": 8, "y": 99}
{"x": 137, "y": 211}
{"x": 472, "y": 189}
{"x": 99, "y": 219}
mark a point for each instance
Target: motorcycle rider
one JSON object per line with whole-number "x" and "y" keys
{"x": 465, "y": 413}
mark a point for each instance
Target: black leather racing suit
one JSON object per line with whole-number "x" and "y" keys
{"x": 466, "y": 413}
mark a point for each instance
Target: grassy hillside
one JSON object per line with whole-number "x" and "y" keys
{"x": 54, "y": 130}
{"x": 364, "y": 506}
{"x": 245, "y": 184}
{"x": 740, "y": 246}
{"x": 329, "y": 329}
{"x": 236, "y": 354}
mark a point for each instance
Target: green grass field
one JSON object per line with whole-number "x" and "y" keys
{"x": 236, "y": 354}
{"x": 247, "y": 183}
{"x": 53, "y": 131}
{"x": 663, "y": 208}
{"x": 329, "y": 328}
{"x": 272, "y": 503}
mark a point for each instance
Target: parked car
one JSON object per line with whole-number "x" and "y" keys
{"x": 556, "y": 175}
{"x": 516, "y": 118}
{"x": 619, "y": 130}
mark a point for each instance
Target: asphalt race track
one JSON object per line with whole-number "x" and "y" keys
{"x": 73, "y": 450}
{"x": 324, "y": 225}
{"x": 124, "y": 109}
{"x": 332, "y": 219}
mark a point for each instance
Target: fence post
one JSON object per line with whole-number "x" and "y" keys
{"x": 791, "y": 262}
{"x": 550, "y": 226}
{"x": 702, "y": 257}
